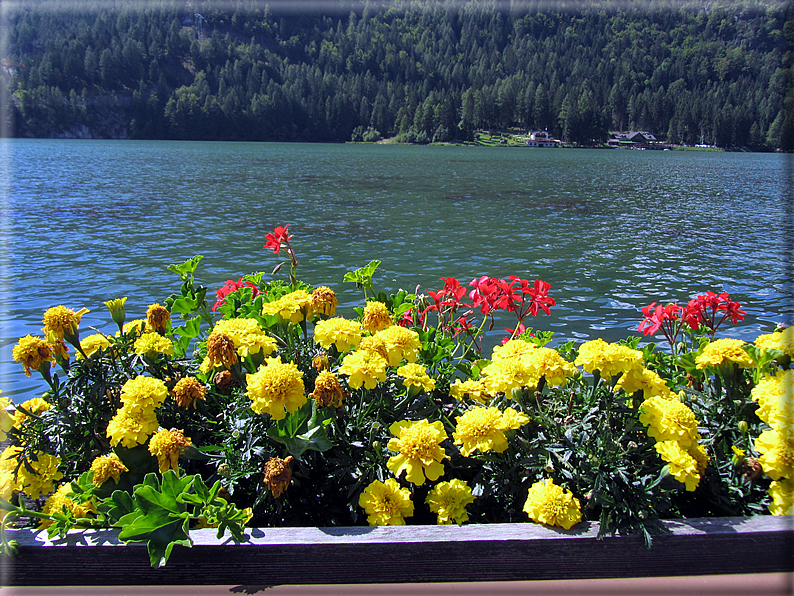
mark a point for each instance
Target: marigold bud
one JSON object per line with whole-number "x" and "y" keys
{"x": 742, "y": 426}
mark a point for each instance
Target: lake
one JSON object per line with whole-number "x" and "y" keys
{"x": 610, "y": 230}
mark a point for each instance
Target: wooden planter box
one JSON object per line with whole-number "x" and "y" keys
{"x": 497, "y": 552}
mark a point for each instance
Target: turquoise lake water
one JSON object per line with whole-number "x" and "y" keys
{"x": 611, "y": 231}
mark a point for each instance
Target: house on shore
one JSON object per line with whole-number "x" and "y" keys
{"x": 634, "y": 140}
{"x": 541, "y": 138}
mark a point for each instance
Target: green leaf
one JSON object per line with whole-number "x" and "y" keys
{"x": 362, "y": 277}
{"x": 185, "y": 270}
{"x": 311, "y": 435}
{"x": 190, "y": 329}
{"x": 184, "y": 305}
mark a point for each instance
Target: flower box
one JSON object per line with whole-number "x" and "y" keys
{"x": 477, "y": 552}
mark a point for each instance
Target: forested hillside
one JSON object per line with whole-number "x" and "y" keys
{"x": 421, "y": 70}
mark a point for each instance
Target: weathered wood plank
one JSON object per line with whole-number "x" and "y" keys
{"x": 497, "y": 552}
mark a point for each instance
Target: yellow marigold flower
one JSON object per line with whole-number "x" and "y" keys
{"x": 400, "y": 343}
{"x": 144, "y": 392}
{"x": 60, "y": 322}
{"x": 553, "y": 505}
{"x": 92, "y": 344}
{"x": 276, "y": 387}
{"x": 341, "y": 332}
{"x": 780, "y": 340}
{"x": 278, "y": 475}
{"x": 484, "y": 429}
{"x": 248, "y": 337}
{"x": 642, "y": 379}
{"x": 682, "y": 464}
{"x": 106, "y": 467}
{"x": 131, "y": 426}
{"x": 220, "y": 352}
{"x": 724, "y": 351}
{"x": 419, "y": 450}
{"x": 291, "y": 307}
{"x": 669, "y": 420}
{"x": 386, "y": 504}
{"x": 188, "y": 391}
{"x": 158, "y": 318}
{"x": 327, "y": 390}
{"x": 777, "y": 453}
{"x": 469, "y": 388}
{"x": 32, "y": 352}
{"x": 513, "y": 348}
{"x": 545, "y": 362}
{"x": 116, "y": 308}
{"x": 58, "y": 500}
{"x": 150, "y": 344}
{"x": 504, "y": 375}
{"x": 415, "y": 375}
{"x": 167, "y": 446}
{"x": 6, "y": 418}
{"x": 40, "y": 480}
{"x": 608, "y": 358}
{"x": 376, "y": 316}
{"x": 374, "y": 344}
{"x": 449, "y": 501}
{"x": 8, "y": 486}
{"x": 35, "y": 406}
{"x": 364, "y": 368}
{"x": 323, "y": 302}
{"x": 136, "y": 327}
{"x": 775, "y": 397}
{"x": 782, "y": 493}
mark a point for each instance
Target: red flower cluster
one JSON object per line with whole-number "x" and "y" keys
{"x": 489, "y": 295}
{"x": 229, "y": 287}
{"x": 278, "y": 236}
{"x": 708, "y": 310}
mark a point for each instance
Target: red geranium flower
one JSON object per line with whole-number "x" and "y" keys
{"x": 278, "y": 236}
{"x": 706, "y": 310}
{"x": 229, "y": 287}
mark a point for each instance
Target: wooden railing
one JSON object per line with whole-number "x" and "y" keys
{"x": 497, "y": 552}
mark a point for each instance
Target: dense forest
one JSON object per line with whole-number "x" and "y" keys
{"x": 421, "y": 70}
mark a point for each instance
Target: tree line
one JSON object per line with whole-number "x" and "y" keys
{"x": 420, "y": 70}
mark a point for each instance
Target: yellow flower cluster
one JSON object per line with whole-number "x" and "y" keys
{"x": 58, "y": 501}
{"x": 157, "y": 318}
{"x": 61, "y": 322}
{"x": 775, "y": 397}
{"x": 608, "y": 358}
{"x": 449, "y": 501}
{"x": 364, "y": 368}
{"x": 420, "y": 454}
{"x": 386, "y": 504}
{"x": 327, "y": 390}
{"x": 189, "y": 391}
{"x": 375, "y": 317}
{"x": 781, "y": 340}
{"x": 553, "y": 505}
{"x": 415, "y": 375}
{"x": 35, "y": 406}
{"x": 642, "y": 379}
{"x": 340, "y": 332}
{"x": 151, "y": 344}
{"x": 136, "y": 419}
{"x": 106, "y": 467}
{"x": 248, "y": 337}
{"x": 32, "y": 352}
{"x": 675, "y": 428}
{"x": 724, "y": 351}
{"x": 470, "y": 388}
{"x": 167, "y": 446}
{"x": 276, "y": 387}
{"x": 519, "y": 363}
{"x": 35, "y": 480}
{"x": 92, "y": 344}
{"x": 292, "y": 307}
{"x": 322, "y": 302}
{"x": 484, "y": 429}
{"x": 400, "y": 344}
